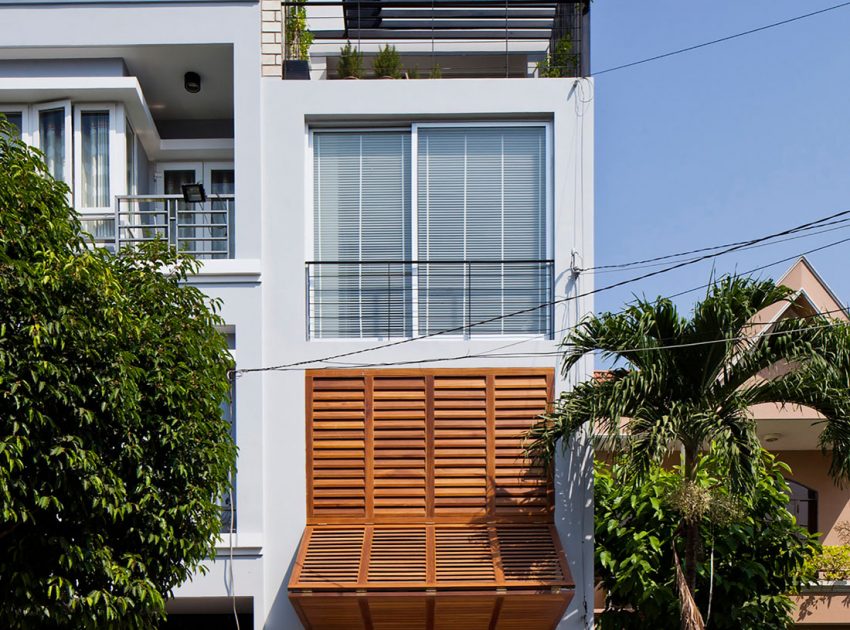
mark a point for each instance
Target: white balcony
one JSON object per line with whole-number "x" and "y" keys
{"x": 203, "y": 230}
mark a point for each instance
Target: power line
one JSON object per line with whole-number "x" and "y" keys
{"x": 722, "y": 39}
{"x": 659, "y": 260}
{"x": 548, "y": 303}
{"x": 555, "y": 353}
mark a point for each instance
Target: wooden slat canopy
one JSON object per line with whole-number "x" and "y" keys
{"x": 417, "y": 488}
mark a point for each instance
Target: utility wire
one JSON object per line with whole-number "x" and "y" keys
{"x": 722, "y": 39}
{"x": 548, "y": 303}
{"x": 838, "y": 224}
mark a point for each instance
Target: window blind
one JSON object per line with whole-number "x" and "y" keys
{"x": 481, "y": 198}
{"x": 362, "y": 234}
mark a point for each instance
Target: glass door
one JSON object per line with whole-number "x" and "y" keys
{"x": 220, "y": 184}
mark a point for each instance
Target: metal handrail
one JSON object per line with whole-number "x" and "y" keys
{"x": 198, "y": 229}
{"x": 403, "y": 298}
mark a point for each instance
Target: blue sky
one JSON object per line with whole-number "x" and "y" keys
{"x": 722, "y": 144}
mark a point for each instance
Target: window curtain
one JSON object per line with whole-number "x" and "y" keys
{"x": 94, "y": 159}
{"x": 51, "y": 129}
{"x": 362, "y": 234}
{"x": 481, "y": 200}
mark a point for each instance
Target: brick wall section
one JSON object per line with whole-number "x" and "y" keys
{"x": 272, "y": 38}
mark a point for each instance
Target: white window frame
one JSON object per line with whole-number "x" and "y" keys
{"x": 117, "y": 154}
{"x": 26, "y": 123}
{"x": 69, "y": 141}
{"x": 413, "y": 128}
{"x": 131, "y": 185}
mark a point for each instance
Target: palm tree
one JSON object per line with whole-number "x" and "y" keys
{"x": 691, "y": 384}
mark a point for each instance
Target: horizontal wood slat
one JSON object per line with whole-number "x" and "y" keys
{"x": 524, "y": 556}
{"x": 388, "y": 446}
{"x": 444, "y": 610}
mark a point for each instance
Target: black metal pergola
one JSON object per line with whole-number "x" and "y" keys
{"x": 456, "y": 20}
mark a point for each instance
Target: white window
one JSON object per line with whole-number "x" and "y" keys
{"x": 51, "y": 132}
{"x": 18, "y": 115}
{"x": 99, "y": 164}
{"x": 430, "y": 229}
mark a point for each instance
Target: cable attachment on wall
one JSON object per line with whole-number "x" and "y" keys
{"x": 575, "y": 260}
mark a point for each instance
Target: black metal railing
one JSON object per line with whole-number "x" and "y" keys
{"x": 385, "y": 299}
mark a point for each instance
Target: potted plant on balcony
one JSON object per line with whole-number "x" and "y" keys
{"x": 350, "y": 62}
{"x": 387, "y": 64}
{"x": 297, "y": 40}
{"x": 560, "y": 61}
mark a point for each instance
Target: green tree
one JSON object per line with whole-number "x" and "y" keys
{"x": 756, "y": 554}
{"x": 693, "y": 382}
{"x": 112, "y": 444}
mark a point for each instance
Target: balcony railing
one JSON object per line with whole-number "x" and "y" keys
{"x": 204, "y": 230}
{"x": 387, "y": 299}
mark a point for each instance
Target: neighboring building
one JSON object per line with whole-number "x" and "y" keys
{"x": 390, "y": 491}
{"x": 792, "y": 434}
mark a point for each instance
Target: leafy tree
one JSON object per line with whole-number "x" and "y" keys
{"x": 112, "y": 444}
{"x": 757, "y": 555}
{"x": 693, "y": 382}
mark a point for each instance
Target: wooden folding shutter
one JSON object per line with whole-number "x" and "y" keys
{"x": 443, "y": 445}
{"x": 336, "y": 445}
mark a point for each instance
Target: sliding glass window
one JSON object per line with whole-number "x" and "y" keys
{"x": 362, "y": 234}
{"x": 473, "y": 246}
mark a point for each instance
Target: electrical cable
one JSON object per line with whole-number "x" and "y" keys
{"x": 840, "y": 224}
{"x": 545, "y": 304}
{"x": 721, "y": 39}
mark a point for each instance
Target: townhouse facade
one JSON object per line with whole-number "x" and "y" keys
{"x": 429, "y": 231}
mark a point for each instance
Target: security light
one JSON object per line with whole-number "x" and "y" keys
{"x": 192, "y": 82}
{"x": 194, "y": 193}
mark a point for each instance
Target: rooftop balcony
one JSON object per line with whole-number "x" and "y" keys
{"x": 445, "y": 38}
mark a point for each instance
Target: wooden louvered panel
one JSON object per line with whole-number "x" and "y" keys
{"x": 460, "y": 445}
{"x": 399, "y": 418}
{"x": 332, "y": 556}
{"x": 337, "y": 421}
{"x": 398, "y": 555}
{"x": 543, "y": 610}
{"x": 387, "y": 446}
{"x": 520, "y": 488}
{"x": 464, "y": 555}
{"x": 430, "y": 556}
{"x": 529, "y": 554}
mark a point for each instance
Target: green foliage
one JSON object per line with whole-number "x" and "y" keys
{"x": 760, "y": 555}
{"x": 298, "y": 38}
{"x": 561, "y": 62}
{"x": 112, "y": 444}
{"x": 436, "y": 72}
{"x": 832, "y": 563}
{"x": 387, "y": 63}
{"x": 700, "y": 392}
{"x": 350, "y": 62}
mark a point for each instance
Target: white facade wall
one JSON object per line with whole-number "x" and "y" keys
{"x": 263, "y": 289}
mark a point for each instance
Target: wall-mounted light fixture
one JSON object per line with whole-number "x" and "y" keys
{"x": 772, "y": 437}
{"x": 194, "y": 193}
{"x": 192, "y": 82}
